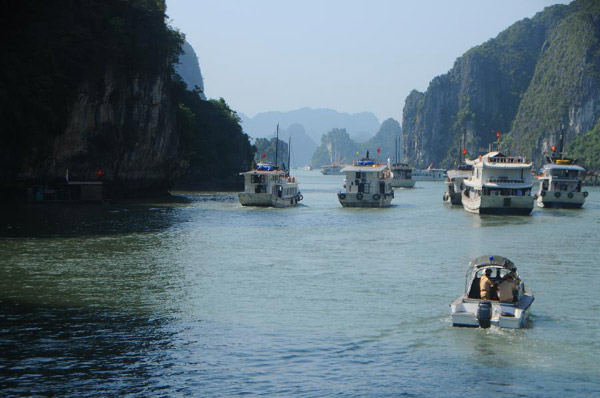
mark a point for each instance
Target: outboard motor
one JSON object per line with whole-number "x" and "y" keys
{"x": 484, "y": 314}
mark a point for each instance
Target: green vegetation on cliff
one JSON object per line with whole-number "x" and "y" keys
{"x": 586, "y": 148}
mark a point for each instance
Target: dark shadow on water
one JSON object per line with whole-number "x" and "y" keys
{"x": 78, "y": 351}
{"x": 66, "y": 220}
{"x": 486, "y": 220}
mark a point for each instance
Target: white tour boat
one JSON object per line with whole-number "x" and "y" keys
{"x": 429, "y": 174}
{"x": 367, "y": 184}
{"x": 498, "y": 184}
{"x": 560, "y": 182}
{"x": 402, "y": 176}
{"x": 454, "y": 184}
{"x": 268, "y": 186}
{"x": 509, "y": 304}
{"x": 332, "y": 169}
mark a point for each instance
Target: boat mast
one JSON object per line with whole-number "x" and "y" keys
{"x": 561, "y": 141}
{"x": 276, "y": 145}
{"x": 289, "y": 153}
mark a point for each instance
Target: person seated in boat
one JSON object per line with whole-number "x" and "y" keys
{"x": 487, "y": 287}
{"x": 508, "y": 287}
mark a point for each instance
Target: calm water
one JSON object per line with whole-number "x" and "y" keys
{"x": 202, "y": 297}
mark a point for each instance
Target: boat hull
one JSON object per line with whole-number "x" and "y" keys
{"x": 367, "y": 200}
{"x": 498, "y": 205}
{"x": 403, "y": 183}
{"x": 266, "y": 200}
{"x": 453, "y": 198}
{"x": 563, "y": 201}
{"x": 504, "y": 315}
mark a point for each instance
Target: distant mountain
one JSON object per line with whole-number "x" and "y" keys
{"x": 302, "y": 147}
{"x": 189, "y": 70}
{"x": 535, "y": 76}
{"x": 337, "y": 146}
{"x": 316, "y": 122}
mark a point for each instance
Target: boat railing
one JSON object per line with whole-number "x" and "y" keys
{"x": 508, "y": 159}
{"x": 506, "y": 180}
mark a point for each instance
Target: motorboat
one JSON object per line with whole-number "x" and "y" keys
{"x": 367, "y": 184}
{"x": 498, "y": 184}
{"x": 308, "y": 167}
{"x": 509, "y": 304}
{"x": 560, "y": 182}
{"x": 454, "y": 184}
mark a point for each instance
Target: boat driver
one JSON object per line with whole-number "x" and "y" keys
{"x": 487, "y": 286}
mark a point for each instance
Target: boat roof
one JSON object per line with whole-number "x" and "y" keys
{"x": 499, "y": 261}
{"x": 553, "y": 166}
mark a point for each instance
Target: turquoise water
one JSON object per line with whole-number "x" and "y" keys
{"x": 200, "y": 296}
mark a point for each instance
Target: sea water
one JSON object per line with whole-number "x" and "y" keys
{"x": 200, "y": 296}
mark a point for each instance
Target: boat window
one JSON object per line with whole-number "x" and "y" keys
{"x": 257, "y": 179}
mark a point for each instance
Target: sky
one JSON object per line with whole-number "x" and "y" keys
{"x": 348, "y": 55}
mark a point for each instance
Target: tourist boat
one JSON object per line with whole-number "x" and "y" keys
{"x": 509, "y": 305}
{"x": 498, "y": 184}
{"x": 454, "y": 184}
{"x": 332, "y": 169}
{"x": 401, "y": 173}
{"x": 429, "y": 174}
{"x": 268, "y": 186}
{"x": 561, "y": 182}
{"x": 367, "y": 184}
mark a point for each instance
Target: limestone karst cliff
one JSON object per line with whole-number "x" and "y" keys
{"x": 535, "y": 76}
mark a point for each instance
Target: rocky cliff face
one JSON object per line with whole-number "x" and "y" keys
{"x": 189, "y": 70}
{"x": 535, "y": 75}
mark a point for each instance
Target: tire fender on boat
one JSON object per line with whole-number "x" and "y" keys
{"x": 359, "y": 196}
{"x": 376, "y": 196}
{"x": 585, "y": 194}
{"x": 342, "y": 196}
{"x": 570, "y": 195}
{"x": 557, "y": 194}
{"x": 300, "y": 197}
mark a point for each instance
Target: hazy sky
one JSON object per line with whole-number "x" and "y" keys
{"x": 348, "y": 55}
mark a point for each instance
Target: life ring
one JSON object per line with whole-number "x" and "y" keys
{"x": 585, "y": 194}
{"x": 342, "y": 196}
{"x": 543, "y": 193}
{"x": 557, "y": 194}
{"x": 359, "y": 196}
{"x": 570, "y": 195}
{"x": 376, "y": 196}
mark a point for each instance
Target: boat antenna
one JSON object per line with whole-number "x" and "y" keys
{"x": 397, "y": 138}
{"x": 276, "y": 144}
{"x": 561, "y": 141}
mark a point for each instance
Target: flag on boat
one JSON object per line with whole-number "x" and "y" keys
{"x": 378, "y": 150}
{"x": 464, "y": 151}
{"x": 264, "y": 155}
{"x": 498, "y": 133}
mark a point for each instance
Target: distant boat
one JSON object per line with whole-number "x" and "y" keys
{"x": 367, "y": 184}
{"x": 267, "y": 186}
{"x": 454, "y": 184}
{"x": 332, "y": 169}
{"x": 402, "y": 173}
{"x": 561, "y": 182}
{"x": 308, "y": 167}
{"x": 429, "y": 174}
{"x": 509, "y": 304}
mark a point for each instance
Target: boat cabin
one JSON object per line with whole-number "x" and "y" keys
{"x": 501, "y": 267}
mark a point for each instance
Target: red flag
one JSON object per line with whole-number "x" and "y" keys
{"x": 264, "y": 155}
{"x": 553, "y": 148}
{"x": 464, "y": 151}
{"x": 378, "y": 150}
{"x": 498, "y": 133}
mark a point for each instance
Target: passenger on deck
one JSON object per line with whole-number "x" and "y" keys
{"x": 487, "y": 286}
{"x": 508, "y": 287}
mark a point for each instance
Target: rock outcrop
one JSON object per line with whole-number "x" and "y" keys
{"x": 535, "y": 76}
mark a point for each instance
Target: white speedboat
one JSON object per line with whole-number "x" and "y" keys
{"x": 308, "y": 167}
{"x": 267, "y": 186}
{"x": 498, "y": 184}
{"x": 454, "y": 184}
{"x": 367, "y": 184}
{"x": 402, "y": 176}
{"x": 509, "y": 305}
